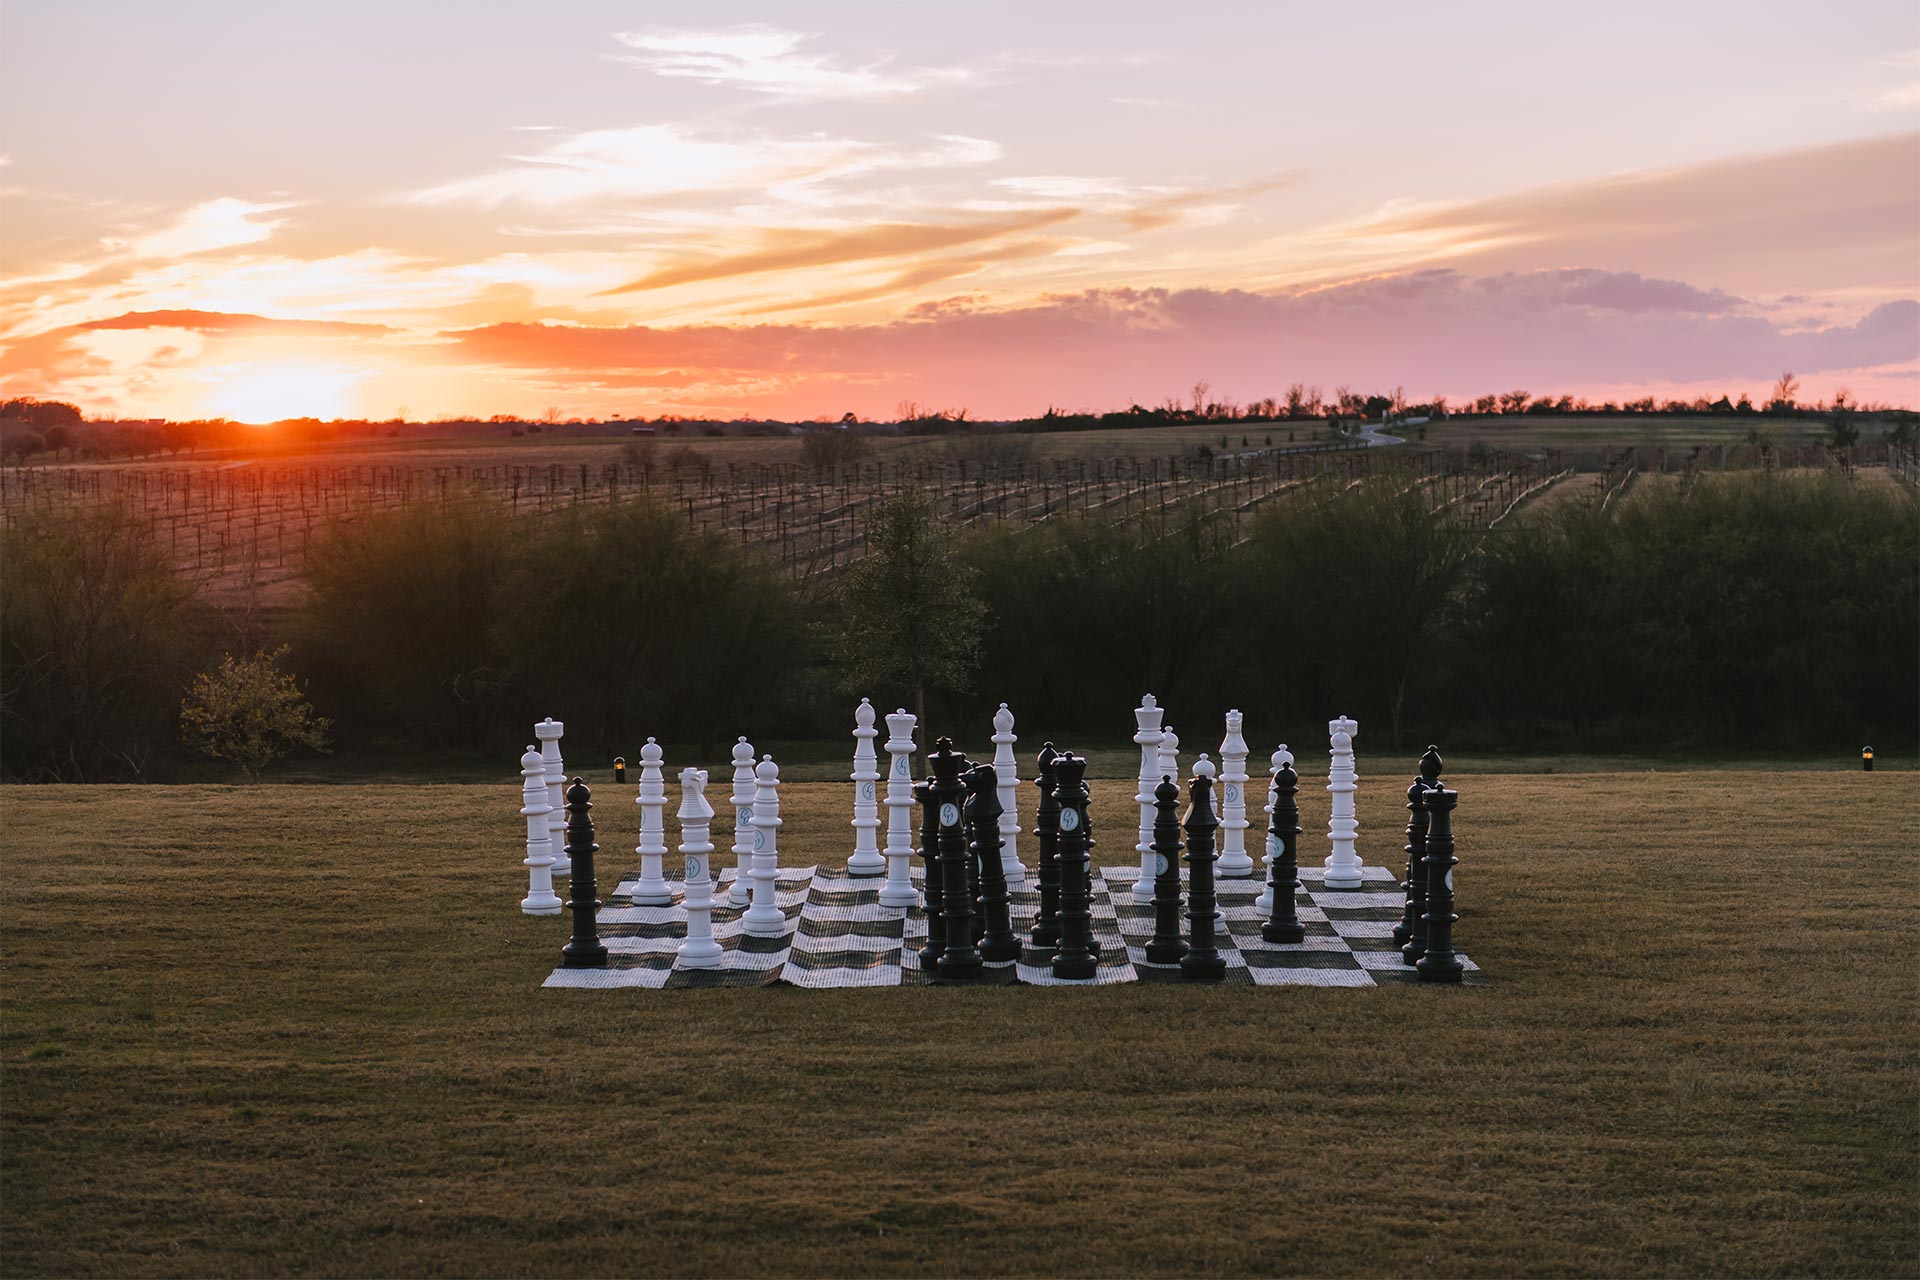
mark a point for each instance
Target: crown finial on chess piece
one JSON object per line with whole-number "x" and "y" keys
{"x": 1430, "y": 765}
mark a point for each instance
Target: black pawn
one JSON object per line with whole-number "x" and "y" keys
{"x": 961, "y": 959}
{"x": 1440, "y": 963}
{"x": 1412, "y": 927}
{"x": 1074, "y": 959}
{"x": 1283, "y": 880}
{"x": 930, "y": 855}
{"x": 1203, "y": 961}
{"x": 998, "y": 943}
{"x": 1167, "y": 946}
{"x": 1415, "y": 880}
{"x": 1045, "y": 934}
{"x": 584, "y": 950}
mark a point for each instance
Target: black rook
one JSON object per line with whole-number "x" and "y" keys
{"x": 961, "y": 959}
{"x": 1203, "y": 961}
{"x": 1074, "y": 959}
{"x": 1283, "y": 830}
{"x": 1440, "y": 964}
{"x": 1167, "y": 946}
{"x": 584, "y": 950}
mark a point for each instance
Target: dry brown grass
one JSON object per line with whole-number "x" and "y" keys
{"x": 299, "y": 1030}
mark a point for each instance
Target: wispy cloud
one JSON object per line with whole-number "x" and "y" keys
{"x": 776, "y": 62}
{"x": 215, "y": 224}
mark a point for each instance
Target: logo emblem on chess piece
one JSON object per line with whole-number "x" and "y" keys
{"x": 949, "y": 815}
{"x": 1069, "y": 819}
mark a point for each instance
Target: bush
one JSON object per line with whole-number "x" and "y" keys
{"x": 98, "y": 636}
{"x": 251, "y": 713}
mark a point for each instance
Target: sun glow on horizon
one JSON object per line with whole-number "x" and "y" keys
{"x": 263, "y": 393}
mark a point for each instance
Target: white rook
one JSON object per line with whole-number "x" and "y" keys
{"x": 1264, "y": 903}
{"x": 898, "y": 891}
{"x": 1147, "y": 733}
{"x": 866, "y": 859}
{"x": 742, "y": 800}
{"x": 652, "y": 889}
{"x": 1234, "y": 863}
{"x": 548, "y": 732}
{"x": 764, "y": 919}
{"x": 1008, "y": 772}
{"x": 540, "y": 899}
{"x": 1343, "y": 864}
{"x": 698, "y": 950}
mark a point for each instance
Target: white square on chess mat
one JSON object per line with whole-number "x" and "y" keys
{"x": 838, "y": 935}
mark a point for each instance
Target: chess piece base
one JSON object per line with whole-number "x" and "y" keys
{"x": 1283, "y": 934}
{"x": 893, "y": 895}
{"x": 866, "y": 864}
{"x": 1341, "y": 880}
{"x": 1439, "y": 968}
{"x": 1170, "y": 953}
{"x": 694, "y": 955}
{"x": 591, "y": 958}
{"x": 649, "y": 896}
{"x": 547, "y": 906}
{"x": 1203, "y": 968}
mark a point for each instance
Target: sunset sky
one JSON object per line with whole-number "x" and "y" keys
{"x": 338, "y": 209}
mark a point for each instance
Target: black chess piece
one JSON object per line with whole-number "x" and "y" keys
{"x": 1074, "y": 959}
{"x": 1167, "y": 945}
{"x": 1416, "y": 878}
{"x": 1282, "y": 925}
{"x": 1203, "y": 961}
{"x": 1439, "y": 963}
{"x": 930, "y": 855}
{"x": 1045, "y": 934}
{"x": 972, "y": 860}
{"x": 961, "y": 959}
{"x": 584, "y": 950}
{"x": 998, "y": 943}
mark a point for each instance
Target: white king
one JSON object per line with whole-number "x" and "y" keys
{"x": 866, "y": 859}
{"x": 1343, "y": 864}
{"x": 764, "y": 919}
{"x": 898, "y": 891}
{"x": 1148, "y": 734}
{"x": 1264, "y": 903}
{"x": 548, "y": 732}
{"x": 1008, "y": 773}
{"x": 540, "y": 899}
{"x": 652, "y": 890}
{"x": 742, "y": 801}
{"x": 698, "y": 950}
{"x": 1234, "y": 862}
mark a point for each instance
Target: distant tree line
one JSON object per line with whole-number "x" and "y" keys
{"x": 1751, "y": 611}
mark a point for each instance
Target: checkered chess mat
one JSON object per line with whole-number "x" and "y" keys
{"x": 839, "y": 935}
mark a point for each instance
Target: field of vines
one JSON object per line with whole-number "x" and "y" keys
{"x": 244, "y": 531}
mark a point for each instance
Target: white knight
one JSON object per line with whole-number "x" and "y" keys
{"x": 698, "y": 950}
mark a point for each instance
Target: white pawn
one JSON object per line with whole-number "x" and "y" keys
{"x": 866, "y": 859}
{"x": 1343, "y": 864}
{"x": 652, "y": 889}
{"x": 698, "y": 950}
{"x": 764, "y": 919}
{"x": 742, "y": 800}
{"x": 540, "y": 899}
{"x": 1148, "y": 734}
{"x": 1008, "y": 772}
{"x": 1264, "y": 904}
{"x": 898, "y": 891}
{"x": 548, "y": 732}
{"x": 1234, "y": 864}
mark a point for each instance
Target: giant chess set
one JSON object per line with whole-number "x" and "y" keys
{"x": 949, "y": 900}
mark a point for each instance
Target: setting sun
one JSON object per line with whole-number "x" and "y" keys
{"x": 260, "y": 393}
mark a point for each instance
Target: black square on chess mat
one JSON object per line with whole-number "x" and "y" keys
{"x": 838, "y": 935}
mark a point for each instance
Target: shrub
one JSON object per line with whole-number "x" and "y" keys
{"x": 98, "y": 635}
{"x": 250, "y": 712}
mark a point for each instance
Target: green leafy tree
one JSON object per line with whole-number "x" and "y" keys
{"x": 909, "y": 615}
{"x": 250, "y": 712}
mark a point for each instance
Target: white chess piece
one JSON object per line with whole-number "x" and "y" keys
{"x": 1234, "y": 863}
{"x": 540, "y": 899}
{"x": 1148, "y": 734}
{"x": 652, "y": 890}
{"x": 739, "y": 893}
{"x": 698, "y": 950}
{"x": 898, "y": 891}
{"x": 866, "y": 859}
{"x": 1343, "y": 864}
{"x": 764, "y": 919}
{"x": 548, "y": 733}
{"x": 1264, "y": 904}
{"x": 1008, "y": 789}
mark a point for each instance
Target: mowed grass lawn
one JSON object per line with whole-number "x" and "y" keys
{"x": 299, "y": 1029}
